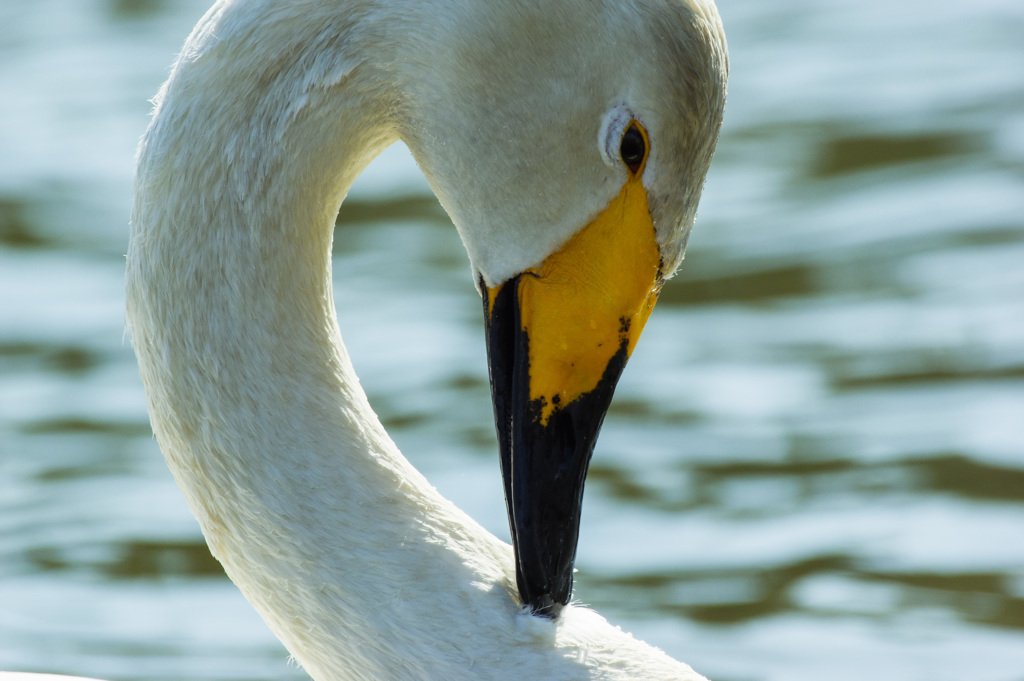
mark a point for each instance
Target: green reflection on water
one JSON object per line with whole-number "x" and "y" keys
{"x": 420, "y": 209}
{"x": 16, "y": 230}
{"x": 735, "y": 595}
{"x": 954, "y": 474}
{"x": 852, "y": 153}
{"x": 140, "y": 559}
{"x": 135, "y": 9}
{"x": 775, "y": 282}
{"x": 82, "y": 426}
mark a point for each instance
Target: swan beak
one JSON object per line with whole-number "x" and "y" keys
{"x": 558, "y": 337}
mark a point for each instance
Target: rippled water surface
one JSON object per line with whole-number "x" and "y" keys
{"x": 814, "y": 466}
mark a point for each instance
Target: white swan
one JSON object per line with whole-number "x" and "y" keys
{"x": 568, "y": 140}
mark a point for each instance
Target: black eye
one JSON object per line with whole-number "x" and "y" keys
{"x": 632, "y": 148}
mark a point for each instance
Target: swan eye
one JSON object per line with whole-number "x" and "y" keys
{"x": 633, "y": 149}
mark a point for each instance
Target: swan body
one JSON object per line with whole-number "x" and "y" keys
{"x": 514, "y": 111}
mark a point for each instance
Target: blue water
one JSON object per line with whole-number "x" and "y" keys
{"x": 814, "y": 466}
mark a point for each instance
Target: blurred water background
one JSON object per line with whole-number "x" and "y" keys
{"x": 814, "y": 466}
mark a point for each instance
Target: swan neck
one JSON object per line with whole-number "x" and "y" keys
{"x": 299, "y": 491}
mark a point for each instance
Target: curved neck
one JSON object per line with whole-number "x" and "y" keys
{"x": 300, "y": 493}
{"x": 350, "y": 556}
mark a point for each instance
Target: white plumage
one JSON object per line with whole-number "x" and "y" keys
{"x": 274, "y": 107}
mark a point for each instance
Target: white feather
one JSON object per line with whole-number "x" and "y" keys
{"x": 273, "y": 108}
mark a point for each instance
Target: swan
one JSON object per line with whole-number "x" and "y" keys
{"x": 568, "y": 140}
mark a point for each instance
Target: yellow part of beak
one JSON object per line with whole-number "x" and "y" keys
{"x": 589, "y": 300}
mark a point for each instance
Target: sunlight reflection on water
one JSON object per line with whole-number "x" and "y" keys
{"x": 814, "y": 466}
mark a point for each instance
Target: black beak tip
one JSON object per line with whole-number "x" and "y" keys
{"x": 545, "y": 606}
{"x": 543, "y": 462}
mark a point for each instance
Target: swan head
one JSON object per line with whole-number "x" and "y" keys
{"x": 567, "y": 139}
{"x": 569, "y": 143}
